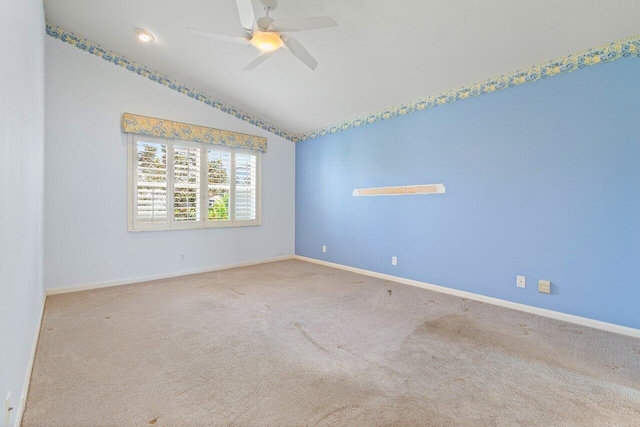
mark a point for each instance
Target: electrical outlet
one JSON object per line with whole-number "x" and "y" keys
{"x": 7, "y": 409}
{"x": 324, "y": 248}
{"x": 394, "y": 260}
{"x": 521, "y": 281}
{"x": 182, "y": 257}
{"x": 544, "y": 286}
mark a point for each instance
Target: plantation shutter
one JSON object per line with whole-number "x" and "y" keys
{"x": 246, "y": 186}
{"x": 151, "y": 194}
{"x": 186, "y": 184}
{"x": 219, "y": 184}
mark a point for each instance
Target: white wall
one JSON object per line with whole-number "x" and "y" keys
{"x": 86, "y": 240}
{"x": 21, "y": 190}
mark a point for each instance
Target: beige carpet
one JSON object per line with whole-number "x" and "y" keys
{"x": 292, "y": 344}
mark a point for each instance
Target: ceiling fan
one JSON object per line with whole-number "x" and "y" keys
{"x": 267, "y": 34}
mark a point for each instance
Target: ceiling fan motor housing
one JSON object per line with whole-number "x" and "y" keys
{"x": 264, "y": 22}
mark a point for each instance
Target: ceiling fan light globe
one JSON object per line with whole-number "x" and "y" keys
{"x": 266, "y": 47}
{"x": 266, "y": 42}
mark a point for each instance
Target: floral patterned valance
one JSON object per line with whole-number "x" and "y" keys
{"x": 141, "y": 125}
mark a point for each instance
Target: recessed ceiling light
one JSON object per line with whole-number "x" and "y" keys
{"x": 144, "y": 35}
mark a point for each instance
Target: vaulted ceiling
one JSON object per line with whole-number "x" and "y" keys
{"x": 383, "y": 53}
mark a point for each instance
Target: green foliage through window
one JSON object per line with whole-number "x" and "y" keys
{"x": 219, "y": 209}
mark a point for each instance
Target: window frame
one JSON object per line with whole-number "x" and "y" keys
{"x": 203, "y": 222}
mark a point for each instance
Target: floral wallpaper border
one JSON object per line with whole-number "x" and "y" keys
{"x": 94, "y": 49}
{"x": 142, "y": 125}
{"x": 610, "y": 52}
{"x": 623, "y": 48}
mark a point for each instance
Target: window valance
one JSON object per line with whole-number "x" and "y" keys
{"x": 142, "y": 125}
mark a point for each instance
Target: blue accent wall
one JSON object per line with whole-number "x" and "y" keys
{"x": 542, "y": 180}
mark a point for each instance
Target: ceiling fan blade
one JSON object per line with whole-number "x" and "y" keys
{"x": 299, "y": 52}
{"x": 247, "y": 16}
{"x": 259, "y": 60}
{"x": 302, "y": 24}
{"x": 238, "y": 40}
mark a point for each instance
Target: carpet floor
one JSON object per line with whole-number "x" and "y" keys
{"x": 293, "y": 343}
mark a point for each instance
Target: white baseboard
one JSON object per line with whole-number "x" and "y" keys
{"x": 584, "y": 321}
{"x": 27, "y": 377}
{"x": 97, "y": 285}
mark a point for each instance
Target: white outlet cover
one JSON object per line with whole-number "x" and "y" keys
{"x": 394, "y": 260}
{"x": 521, "y": 281}
{"x": 324, "y": 248}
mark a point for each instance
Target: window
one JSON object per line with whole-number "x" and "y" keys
{"x": 179, "y": 184}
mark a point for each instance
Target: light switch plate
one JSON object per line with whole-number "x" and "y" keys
{"x": 544, "y": 286}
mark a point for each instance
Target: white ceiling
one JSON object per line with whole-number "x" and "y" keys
{"x": 383, "y": 53}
